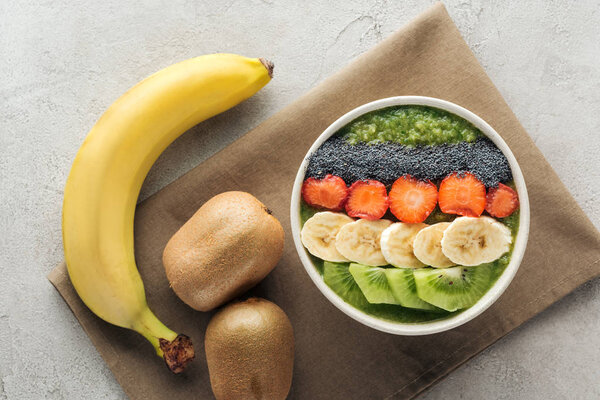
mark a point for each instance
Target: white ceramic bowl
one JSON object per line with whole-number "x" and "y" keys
{"x": 422, "y": 328}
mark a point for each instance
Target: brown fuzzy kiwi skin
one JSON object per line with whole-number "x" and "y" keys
{"x": 228, "y": 246}
{"x": 250, "y": 351}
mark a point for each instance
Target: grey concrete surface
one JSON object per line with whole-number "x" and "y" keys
{"x": 63, "y": 62}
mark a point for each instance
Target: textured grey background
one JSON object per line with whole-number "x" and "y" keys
{"x": 62, "y": 63}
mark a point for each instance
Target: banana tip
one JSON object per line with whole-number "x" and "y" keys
{"x": 268, "y": 65}
{"x": 177, "y": 353}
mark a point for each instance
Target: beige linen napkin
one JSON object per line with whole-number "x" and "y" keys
{"x": 336, "y": 357}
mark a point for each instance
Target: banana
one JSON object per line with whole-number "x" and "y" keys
{"x": 108, "y": 172}
{"x": 397, "y": 244}
{"x": 472, "y": 241}
{"x": 427, "y": 246}
{"x": 360, "y": 241}
{"x": 319, "y": 232}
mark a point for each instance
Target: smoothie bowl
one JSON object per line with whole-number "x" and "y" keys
{"x": 410, "y": 214}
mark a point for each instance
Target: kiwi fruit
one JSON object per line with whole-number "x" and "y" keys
{"x": 404, "y": 289}
{"x": 338, "y": 277}
{"x": 229, "y": 245}
{"x": 453, "y": 288}
{"x": 373, "y": 282}
{"x": 250, "y": 351}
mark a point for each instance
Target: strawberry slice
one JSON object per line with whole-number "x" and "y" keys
{"x": 412, "y": 200}
{"x": 328, "y": 193}
{"x": 367, "y": 199}
{"x": 501, "y": 201}
{"x": 462, "y": 194}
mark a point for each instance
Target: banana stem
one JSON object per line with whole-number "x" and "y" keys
{"x": 268, "y": 65}
{"x": 177, "y": 350}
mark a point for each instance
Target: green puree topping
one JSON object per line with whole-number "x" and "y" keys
{"x": 410, "y": 126}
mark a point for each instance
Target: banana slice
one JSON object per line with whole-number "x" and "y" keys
{"x": 472, "y": 241}
{"x": 319, "y": 232}
{"x": 397, "y": 244}
{"x": 360, "y": 241}
{"x": 427, "y": 246}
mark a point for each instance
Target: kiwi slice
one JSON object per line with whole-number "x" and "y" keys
{"x": 404, "y": 289}
{"x": 373, "y": 283}
{"x": 338, "y": 277}
{"x": 453, "y": 288}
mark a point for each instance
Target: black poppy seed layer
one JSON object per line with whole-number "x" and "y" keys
{"x": 386, "y": 162}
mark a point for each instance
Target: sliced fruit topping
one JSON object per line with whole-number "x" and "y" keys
{"x": 367, "y": 199}
{"x": 427, "y": 246}
{"x": 319, "y": 232}
{"x": 462, "y": 194}
{"x": 360, "y": 241}
{"x": 474, "y": 241}
{"x": 338, "y": 278}
{"x": 404, "y": 289}
{"x": 453, "y": 288}
{"x": 373, "y": 283}
{"x": 412, "y": 200}
{"x": 397, "y": 245}
{"x": 329, "y": 193}
{"x": 501, "y": 201}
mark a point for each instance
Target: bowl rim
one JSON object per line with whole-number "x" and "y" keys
{"x": 436, "y": 326}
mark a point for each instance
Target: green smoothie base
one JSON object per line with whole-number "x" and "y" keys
{"x": 395, "y": 313}
{"x": 410, "y": 126}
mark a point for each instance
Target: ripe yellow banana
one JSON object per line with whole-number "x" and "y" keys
{"x": 108, "y": 172}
